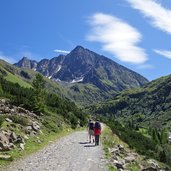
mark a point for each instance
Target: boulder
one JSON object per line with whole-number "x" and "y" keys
{"x": 35, "y": 126}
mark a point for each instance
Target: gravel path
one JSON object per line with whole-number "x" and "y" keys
{"x": 70, "y": 153}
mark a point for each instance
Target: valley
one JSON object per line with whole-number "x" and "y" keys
{"x": 46, "y": 98}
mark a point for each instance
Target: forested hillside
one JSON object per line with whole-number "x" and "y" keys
{"x": 142, "y": 118}
{"x": 146, "y": 106}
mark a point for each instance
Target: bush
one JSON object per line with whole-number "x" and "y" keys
{"x": 20, "y": 120}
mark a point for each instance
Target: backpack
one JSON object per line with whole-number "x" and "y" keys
{"x": 97, "y": 125}
{"x": 91, "y": 125}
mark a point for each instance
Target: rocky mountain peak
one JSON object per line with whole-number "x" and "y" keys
{"x": 85, "y": 66}
{"x": 26, "y": 63}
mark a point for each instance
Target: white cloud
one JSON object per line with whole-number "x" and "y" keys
{"x": 117, "y": 37}
{"x": 159, "y": 16}
{"x": 164, "y": 53}
{"x": 7, "y": 58}
{"x": 61, "y": 51}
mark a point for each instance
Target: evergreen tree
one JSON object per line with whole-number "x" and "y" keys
{"x": 1, "y": 91}
{"x": 39, "y": 94}
{"x": 156, "y": 136}
{"x": 164, "y": 136}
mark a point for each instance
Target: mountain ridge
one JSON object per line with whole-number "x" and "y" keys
{"x": 83, "y": 65}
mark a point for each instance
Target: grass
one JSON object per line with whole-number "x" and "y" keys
{"x": 111, "y": 168}
{"x": 15, "y": 79}
{"x": 110, "y": 140}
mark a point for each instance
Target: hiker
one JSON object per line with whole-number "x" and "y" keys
{"x": 97, "y": 132}
{"x": 91, "y": 131}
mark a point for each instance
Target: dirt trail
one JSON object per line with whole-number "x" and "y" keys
{"x": 70, "y": 153}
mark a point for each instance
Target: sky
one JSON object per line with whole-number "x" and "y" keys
{"x": 133, "y": 33}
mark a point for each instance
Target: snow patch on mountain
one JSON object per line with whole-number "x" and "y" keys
{"x": 50, "y": 77}
{"x": 60, "y": 66}
{"x": 77, "y": 80}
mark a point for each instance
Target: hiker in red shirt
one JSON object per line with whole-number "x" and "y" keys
{"x": 97, "y": 132}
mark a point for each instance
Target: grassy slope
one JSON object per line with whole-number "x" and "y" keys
{"x": 12, "y": 77}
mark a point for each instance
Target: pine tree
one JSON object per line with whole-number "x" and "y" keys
{"x": 164, "y": 136}
{"x": 39, "y": 97}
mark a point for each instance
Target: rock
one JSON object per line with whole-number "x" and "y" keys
{"x": 6, "y": 147}
{"x": 26, "y": 137}
{"x": 8, "y": 120}
{"x": 121, "y": 147}
{"x": 153, "y": 163}
{"x": 21, "y": 110}
{"x": 13, "y": 111}
{"x": 3, "y": 101}
{"x": 28, "y": 129}
{"x": 118, "y": 164}
{"x": 4, "y": 141}
{"x": 11, "y": 145}
{"x": 3, "y": 138}
{"x": 21, "y": 146}
{"x": 7, "y": 110}
{"x": 32, "y": 134}
{"x": 35, "y": 126}
{"x": 19, "y": 139}
{"x": 4, "y": 157}
{"x": 13, "y": 137}
{"x": 130, "y": 158}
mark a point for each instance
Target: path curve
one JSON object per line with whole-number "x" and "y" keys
{"x": 70, "y": 153}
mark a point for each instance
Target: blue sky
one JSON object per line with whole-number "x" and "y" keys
{"x": 134, "y": 33}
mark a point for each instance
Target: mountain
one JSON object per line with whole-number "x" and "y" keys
{"x": 26, "y": 63}
{"x": 87, "y": 72}
{"x": 145, "y": 106}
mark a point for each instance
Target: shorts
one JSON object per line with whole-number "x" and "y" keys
{"x": 91, "y": 132}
